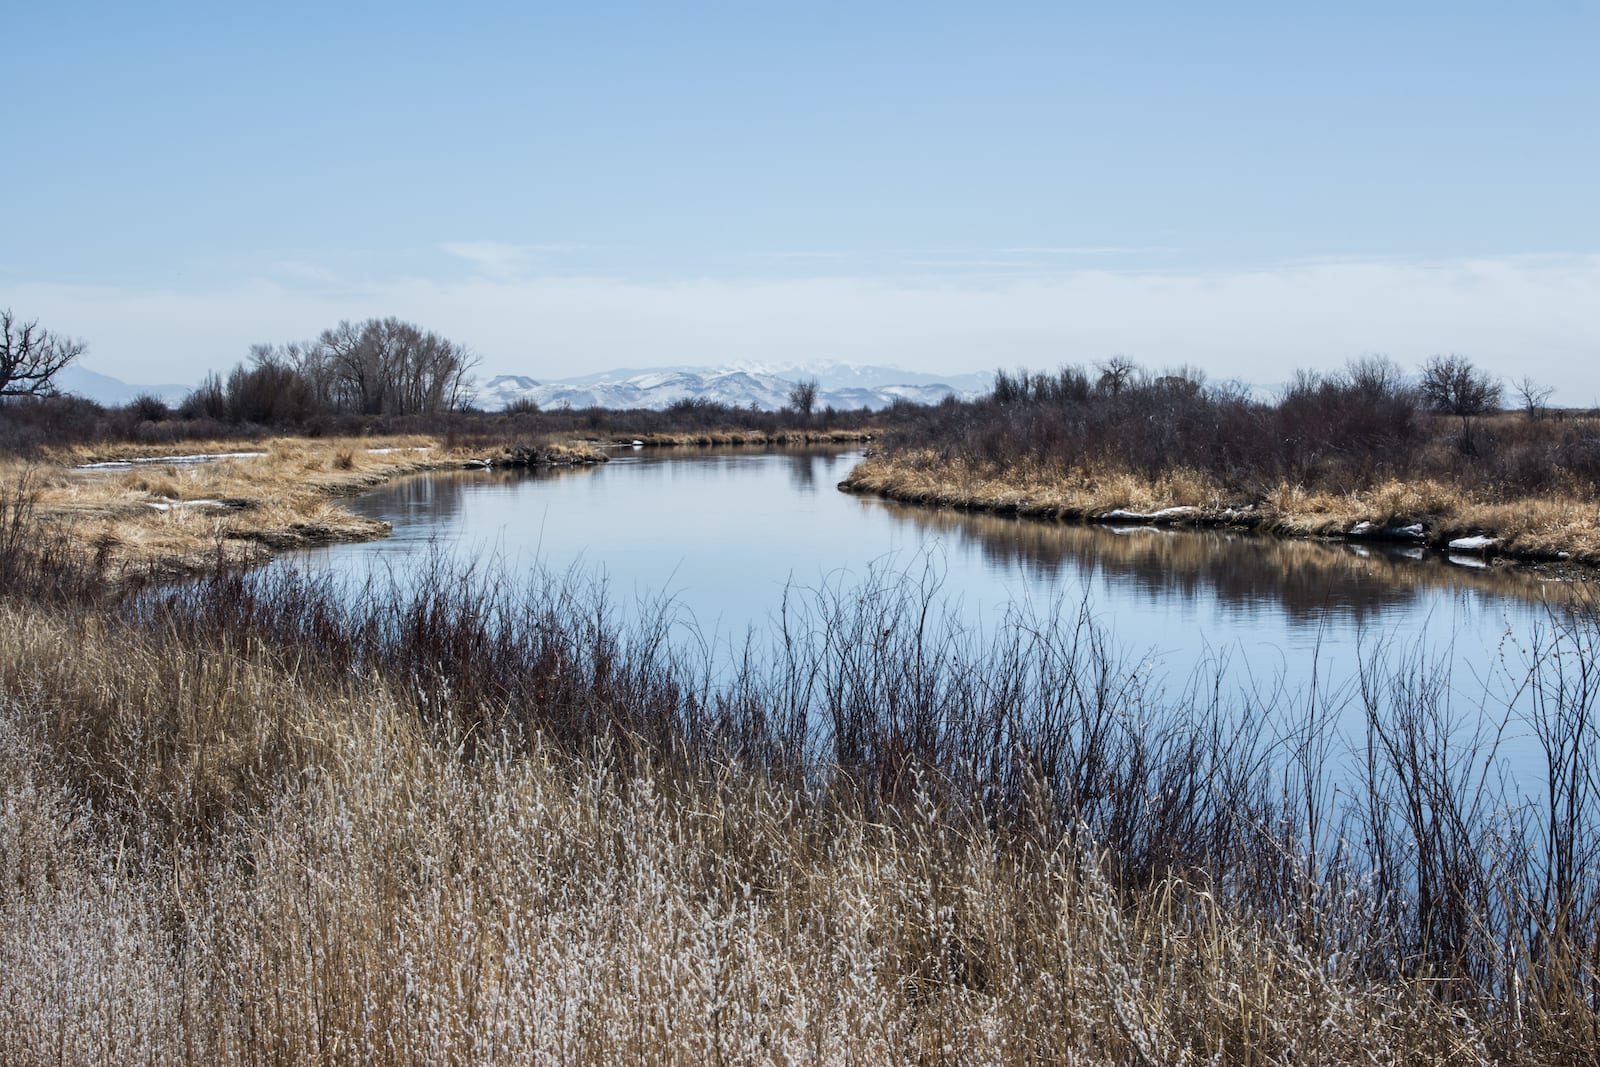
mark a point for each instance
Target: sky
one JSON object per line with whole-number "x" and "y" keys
{"x": 944, "y": 187}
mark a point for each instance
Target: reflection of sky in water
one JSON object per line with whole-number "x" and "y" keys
{"x": 724, "y": 533}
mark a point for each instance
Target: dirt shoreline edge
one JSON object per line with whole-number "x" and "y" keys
{"x": 1466, "y": 536}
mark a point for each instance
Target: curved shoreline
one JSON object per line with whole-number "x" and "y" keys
{"x": 1473, "y": 533}
{"x": 141, "y": 512}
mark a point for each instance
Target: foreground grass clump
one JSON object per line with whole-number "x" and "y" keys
{"x": 380, "y": 896}
{"x": 262, "y": 818}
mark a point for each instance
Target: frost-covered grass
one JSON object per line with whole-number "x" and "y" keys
{"x": 262, "y": 819}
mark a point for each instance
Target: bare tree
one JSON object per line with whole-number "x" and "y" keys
{"x": 1375, "y": 377}
{"x": 382, "y": 367}
{"x": 1115, "y": 373}
{"x": 31, "y": 357}
{"x": 1452, "y": 385}
{"x": 1533, "y": 396}
{"x": 803, "y": 396}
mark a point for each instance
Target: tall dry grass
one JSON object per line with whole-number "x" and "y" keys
{"x": 265, "y": 818}
{"x": 367, "y": 894}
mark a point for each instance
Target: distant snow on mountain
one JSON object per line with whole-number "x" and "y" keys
{"x": 831, "y": 374}
{"x": 762, "y": 386}
{"x": 104, "y": 389}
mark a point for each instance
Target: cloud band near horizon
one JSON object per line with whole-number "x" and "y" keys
{"x": 1513, "y": 315}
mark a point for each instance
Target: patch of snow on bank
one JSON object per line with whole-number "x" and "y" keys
{"x": 1414, "y": 532}
{"x": 129, "y": 464}
{"x": 1146, "y": 516}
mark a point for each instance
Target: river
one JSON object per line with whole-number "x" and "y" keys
{"x": 721, "y": 537}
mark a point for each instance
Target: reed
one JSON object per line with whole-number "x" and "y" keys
{"x": 268, "y": 817}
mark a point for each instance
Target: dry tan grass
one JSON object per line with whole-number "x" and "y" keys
{"x": 1536, "y": 527}
{"x": 210, "y": 858}
{"x": 174, "y": 518}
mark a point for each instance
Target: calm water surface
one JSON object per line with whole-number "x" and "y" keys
{"x": 723, "y": 535}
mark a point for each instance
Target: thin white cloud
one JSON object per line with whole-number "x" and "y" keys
{"x": 1518, "y": 315}
{"x": 1083, "y": 250}
{"x": 496, "y": 259}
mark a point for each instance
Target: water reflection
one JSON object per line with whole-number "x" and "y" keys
{"x": 429, "y": 507}
{"x": 808, "y": 470}
{"x": 726, "y": 535}
{"x": 1309, "y": 581}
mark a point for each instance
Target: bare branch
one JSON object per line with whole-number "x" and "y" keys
{"x": 30, "y": 357}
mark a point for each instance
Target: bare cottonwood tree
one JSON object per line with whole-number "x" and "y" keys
{"x": 30, "y": 357}
{"x": 1115, "y": 374}
{"x": 383, "y": 367}
{"x": 803, "y": 396}
{"x": 1452, "y": 385}
{"x": 1533, "y": 396}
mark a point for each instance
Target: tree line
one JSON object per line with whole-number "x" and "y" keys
{"x": 378, "y": 367}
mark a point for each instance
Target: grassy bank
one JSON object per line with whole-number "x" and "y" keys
{"x": 260, "y": 818}
{"x": 1537, "y": 527}
{"x": 135, "y": 510}
{"x": 1352, "y": 454}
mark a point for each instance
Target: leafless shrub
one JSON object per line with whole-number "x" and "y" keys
{"x": 1533, "y": 395}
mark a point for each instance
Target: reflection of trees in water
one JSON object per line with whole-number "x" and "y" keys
{"x": 802, "y": 472}
{"x": 436, "y": 497}
{"x": 809, "y": 469}
{"x": 1306, "y": 579}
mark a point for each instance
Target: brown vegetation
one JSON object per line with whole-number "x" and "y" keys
{"x": 1345, "y": 455}
{"x": 1537, "y": 527}
{"x": 154, "y": 517}
{"x": 258, "y": 819}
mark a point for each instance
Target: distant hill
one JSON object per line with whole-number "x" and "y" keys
{"x": 104, "y": 389}
{"x": 840, "y": 385}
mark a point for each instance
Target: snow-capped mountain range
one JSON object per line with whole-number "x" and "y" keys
{"x": 764, "y": 386}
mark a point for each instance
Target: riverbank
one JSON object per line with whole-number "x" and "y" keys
{"x": 1425, "y": 512}
{"x": 141, "y": 512}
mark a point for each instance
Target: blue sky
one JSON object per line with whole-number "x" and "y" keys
{"x": 946, "y": 187}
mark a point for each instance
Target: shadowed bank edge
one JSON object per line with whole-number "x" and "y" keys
{"x": 1425, "y": 513}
